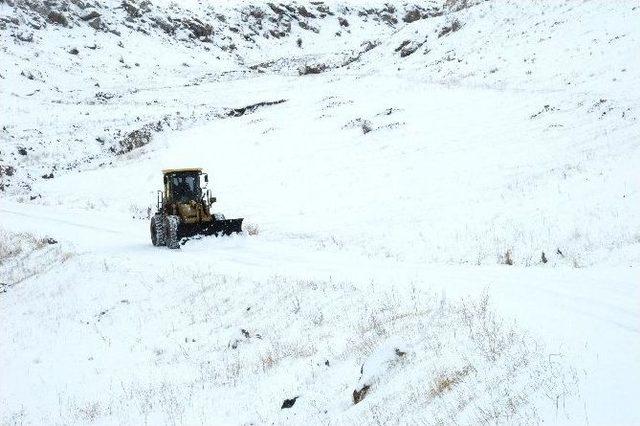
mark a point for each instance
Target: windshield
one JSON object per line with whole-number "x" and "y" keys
{"x": 185, "y": 187}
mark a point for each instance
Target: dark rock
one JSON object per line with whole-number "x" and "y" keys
{"x": 368, "y": 45}
{"x": 238, "y": 112}
{"x": 277, "y": 34}
{"x": 104, "y": 96}
{"x": 131, "y": 10}
{"x": 289, "y": 7}
{"x": 57, "y": 18}
{"x": 26, "y": 37}
{"x": 312, "y": 69}
{"x": 277, "y": 10}
{"x": 96, "y": 23}
{"x": 50, "y": 241}
{"x": 343, "y": 22}
{"x": 358, "y": 395}
{"x": 412, "y": 15}
{"x": 22, "y": 151}
{"x": 256, "y": 13}
{"x": 451, "y": 28}
{"x": 28, "y": 74}
{"x": 49, "y": 176}
{"x": 308, "y": 27}
{"x": 82, "y": 5}
{"x": 198, "y": 28}
{"x": 305, "y": 13}
{"x": 135, "y": 139}
{"x": 91, "y": 15}
{"x": 323, "y": 9}
{"x": 388, "y": 8}
{"x": 74, "y": 51}
{"x": 288, "y": 403}
{"x": 410, "y": 48}
{"x": 7, "y": 170}
{"x": 402, "y": 45}
{"x": 164, "y": 25}
{"x": 389, "y": 19}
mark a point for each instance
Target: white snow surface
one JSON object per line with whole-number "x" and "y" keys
{"x": 447, "y": 213}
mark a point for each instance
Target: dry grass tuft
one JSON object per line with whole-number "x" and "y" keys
{"x": 252, "y": 229}
{"x": 445, "y": 381}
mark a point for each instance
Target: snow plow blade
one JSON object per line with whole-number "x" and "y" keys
{"x": 223, "y": 227}
{"x": 215, "y": 227}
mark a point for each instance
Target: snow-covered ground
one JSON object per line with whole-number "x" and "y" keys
{"x": 444, "y": 219}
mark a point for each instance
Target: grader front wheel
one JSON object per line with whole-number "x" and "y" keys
{"x": 171, "y": 231}
{"x": 157, "y": 230}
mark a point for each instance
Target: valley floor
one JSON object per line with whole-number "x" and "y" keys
{"x": 393, "y": 237}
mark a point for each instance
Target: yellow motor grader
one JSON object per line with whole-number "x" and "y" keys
{"x": 184, "y": 210}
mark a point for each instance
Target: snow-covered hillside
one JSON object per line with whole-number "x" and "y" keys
{"x": 442, "y": 200}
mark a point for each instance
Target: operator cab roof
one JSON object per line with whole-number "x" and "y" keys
{"x": 185, "y": 170}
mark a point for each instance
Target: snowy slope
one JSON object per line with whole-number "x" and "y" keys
{"x": 444, "y": 218}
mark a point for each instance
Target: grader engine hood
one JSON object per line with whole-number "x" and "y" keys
{"x": 192, "y": 213}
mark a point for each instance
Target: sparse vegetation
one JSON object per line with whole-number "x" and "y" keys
{"x": 507, "y": 258}
{"x": 366, "y": 126}
{"x": 252, "y": 229}
{"x": 490, "y": 355}
{"x": 24, "y": 255}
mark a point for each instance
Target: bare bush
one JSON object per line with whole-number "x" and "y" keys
{"x": 463, "y": 362}
{"x": 446, "y": 380}
{"x": 366, "y": 126}
{"x": 252, "y": 229}
{"x": 507, "y": 258}
{"x": 24, "y": 255}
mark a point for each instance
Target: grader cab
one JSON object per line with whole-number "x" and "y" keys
{"x": 184, "y": 210}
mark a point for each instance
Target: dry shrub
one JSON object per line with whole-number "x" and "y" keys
{"x": 252, "y": 229}
{"x": 507, "y": 258}
{"x": 366, "y": 126}
{"x": 23, "y": 255}
{"x": 267, "y": 362}
{"x": 445, "y": 381}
